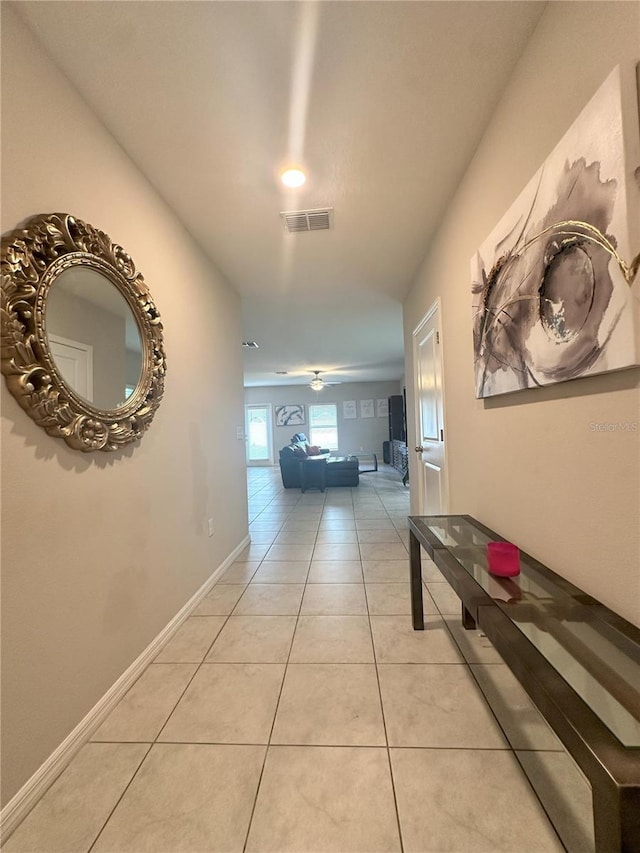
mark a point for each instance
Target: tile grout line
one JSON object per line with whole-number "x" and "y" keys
{"x": 273, "y": 722}
{"x": 328, "y": 745}
{"x": 514, "y": 752}
{"x": 384, "y": 720}
{"x": 119, "y": 799}
{"x": 154, "y": 742}
{"x": 486, "y": 702}
{"x": 377, "y": 678}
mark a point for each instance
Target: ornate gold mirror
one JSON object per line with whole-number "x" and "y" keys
{"x": 82, "y": 347}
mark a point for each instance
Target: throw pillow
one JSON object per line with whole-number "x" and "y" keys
{"x": 299, "y": 451}
{"x": 313, "y": 450}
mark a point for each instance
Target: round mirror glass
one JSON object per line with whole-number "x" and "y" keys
{"x": 93, "y": 336}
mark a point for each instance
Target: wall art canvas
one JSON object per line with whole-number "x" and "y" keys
{"x": 553, "y": 285}
{"x": 382, "y": 408}
{"x": 349, "y": 409}
{"x": 366, "y": 409}
{"x": 292, "y": 415}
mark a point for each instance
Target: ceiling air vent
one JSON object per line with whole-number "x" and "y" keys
{"x": 250, "y": 344}
{"x": 307, "y": 220}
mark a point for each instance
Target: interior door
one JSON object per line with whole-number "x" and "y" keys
{"x": 74, "y": 360}
{"x": 258, "y": 435}
{"x": 430, "y": 430}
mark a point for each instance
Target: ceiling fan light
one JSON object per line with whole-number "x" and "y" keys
{"x": 317, "y": 384}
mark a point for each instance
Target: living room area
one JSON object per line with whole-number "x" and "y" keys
{"x": 351, "y": 428}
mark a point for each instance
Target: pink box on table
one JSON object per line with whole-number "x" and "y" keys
{"x": 503, "y": 559}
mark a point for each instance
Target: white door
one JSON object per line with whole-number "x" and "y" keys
{"x": 258, "y": 432}
{"x": 430, "y": 437}
{"x": 74, "y": 360}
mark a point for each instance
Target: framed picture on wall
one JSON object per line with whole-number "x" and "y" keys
{"x": 366, "y": 409}
{"x": 382, "y": 408}
{"x": 551, "y": 285}
{"x": 292, "y": 415}
{"x": 349, "y": 410}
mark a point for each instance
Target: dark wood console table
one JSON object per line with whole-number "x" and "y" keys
{"x": 578, "y": 661}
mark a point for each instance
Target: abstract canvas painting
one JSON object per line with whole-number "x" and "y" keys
{"x": 292, "y": 415}
{"x": 553, "y": 284}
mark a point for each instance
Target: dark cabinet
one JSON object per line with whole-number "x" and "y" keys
{"x": 398, "y": 434}
{"x": 397, "y": 427}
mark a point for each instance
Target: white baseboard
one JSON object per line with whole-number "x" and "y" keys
{"x": 18, "y": 807}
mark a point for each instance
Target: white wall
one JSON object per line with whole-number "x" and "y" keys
{"x": 528, "y": 464}
{"x": 100, "y": 551}
{"x": 353, "y": 434}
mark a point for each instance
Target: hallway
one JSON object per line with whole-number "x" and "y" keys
{"x": 297, "y": 710}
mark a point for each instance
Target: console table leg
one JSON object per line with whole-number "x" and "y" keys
{"x": 630, "y": 819}
{"x": 468, "y": 622}
{"x": 616, "y": 818}
{"x": 415, "y": 578}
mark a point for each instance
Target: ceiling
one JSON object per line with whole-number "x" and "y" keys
{"x": 382, "y": 104}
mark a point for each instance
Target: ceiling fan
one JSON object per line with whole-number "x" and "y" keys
{"x": 317, "y": 383}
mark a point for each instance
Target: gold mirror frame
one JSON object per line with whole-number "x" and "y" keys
{"x": 32, "y": 258}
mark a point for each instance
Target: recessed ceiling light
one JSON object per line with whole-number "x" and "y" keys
{"x": 293, "y": 178}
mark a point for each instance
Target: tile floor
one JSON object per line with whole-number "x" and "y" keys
{"x": 297, "y": 710}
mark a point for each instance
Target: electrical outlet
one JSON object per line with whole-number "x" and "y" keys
{"x": 240, "y": 433}
{"x": 210, "y": 527}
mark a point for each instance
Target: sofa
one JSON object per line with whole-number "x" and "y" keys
{"x": 340, "y": 470}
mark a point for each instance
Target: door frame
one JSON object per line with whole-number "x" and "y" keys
{"x": 435, "y": 308}
{"x": 256, "y": 463}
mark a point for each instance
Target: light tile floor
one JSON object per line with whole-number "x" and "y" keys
{"x": 297, "y": 710}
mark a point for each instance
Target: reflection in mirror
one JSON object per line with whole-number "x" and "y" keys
{"x": 94, "y": 337}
